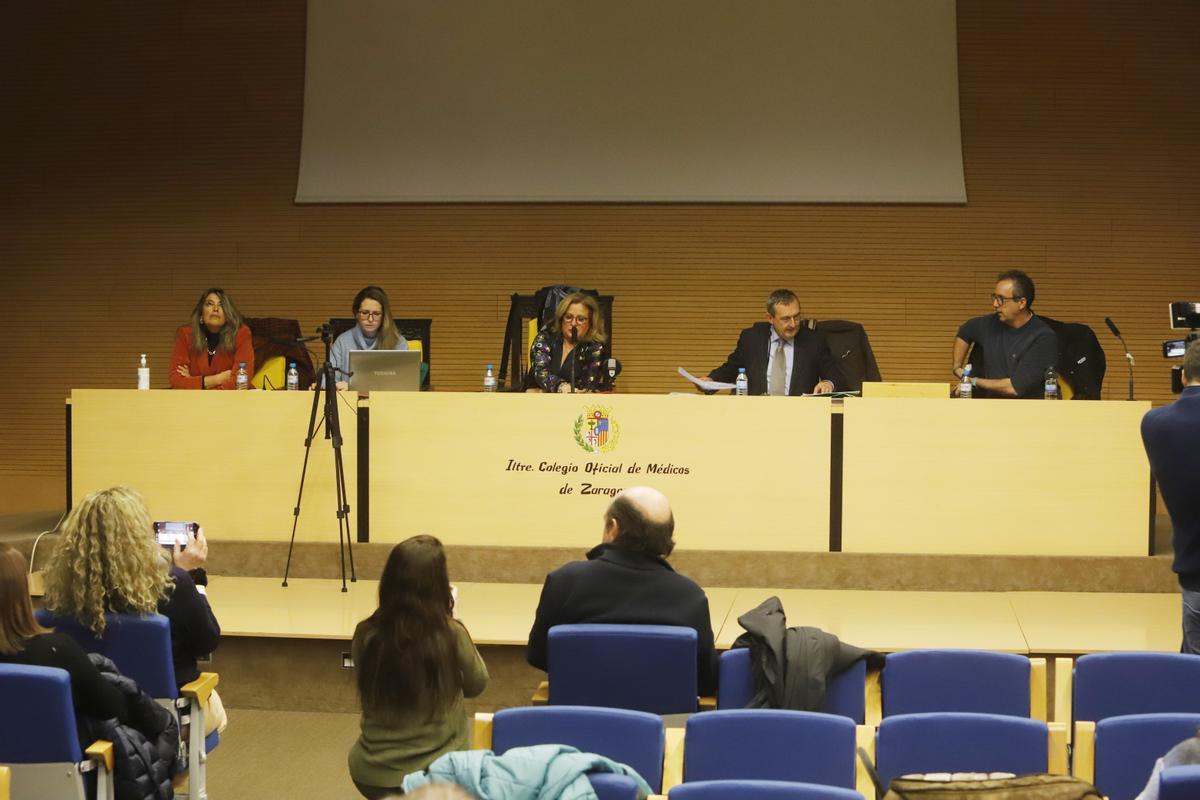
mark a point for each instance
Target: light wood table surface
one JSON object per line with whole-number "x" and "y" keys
{"x": 890, "y": 621}
{"x": 494, "y": 613}
{"x": 994, "y": 477}
{"x": 1075, "y": 623}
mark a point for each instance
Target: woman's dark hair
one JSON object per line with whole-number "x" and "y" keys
{"x": 409, "y": 662}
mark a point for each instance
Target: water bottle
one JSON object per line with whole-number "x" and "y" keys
{"x": 143, "y": 374}
{"x": 293, "y": 378}
{"x": 965, "y": 389}
{"x": 741, "y": 385}
{"x": 243, "y": 380}
{"x": 489, "y": 379}
{"x": 1051, "y": 385}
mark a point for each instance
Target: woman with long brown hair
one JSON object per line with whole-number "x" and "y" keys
{"x": 24, "y": 641}
{"x": 415, "y": 664}
{"x": 209, "y": 348}
{"x": 374, "y": 329}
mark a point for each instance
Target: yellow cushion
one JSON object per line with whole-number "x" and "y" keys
{"x": 274, "y": 370}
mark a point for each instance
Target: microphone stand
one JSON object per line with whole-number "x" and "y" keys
{"x": 574, "y": 354}
{"x": 333, "y": 432}
{"x": 1128, "y": 355}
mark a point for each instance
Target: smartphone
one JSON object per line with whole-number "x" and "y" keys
{"x": 171, "y": 533}
{"x": 1174, "y": 348}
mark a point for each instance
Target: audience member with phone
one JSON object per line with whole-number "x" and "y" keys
{"x": 109, "y": 558}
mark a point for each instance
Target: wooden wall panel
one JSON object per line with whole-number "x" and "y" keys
{"x": 151, "y": 149}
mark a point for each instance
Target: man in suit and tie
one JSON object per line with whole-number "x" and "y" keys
{"x": 780, "y": 356}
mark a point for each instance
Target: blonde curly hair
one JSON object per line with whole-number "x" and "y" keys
{"x": 107, "y": 560}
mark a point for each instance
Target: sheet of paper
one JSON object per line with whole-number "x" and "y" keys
{"x": 708, "y": 386}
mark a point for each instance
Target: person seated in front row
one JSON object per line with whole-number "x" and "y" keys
{"x": 108, "y": 560}
{"x": 209, "y": 348}
{"x": 627, "y": 580}
{"x": 374, "y": 329}
{"x": 414, "y": 665}
{"x": 569, "y": 351}
{"x": 781, "y": 356}
{"x": 24, "y": 641}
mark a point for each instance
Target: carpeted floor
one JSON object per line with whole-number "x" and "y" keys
{"x": 283, "y": 754}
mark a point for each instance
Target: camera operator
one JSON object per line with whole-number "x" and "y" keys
{"x": 1171, "y": 435}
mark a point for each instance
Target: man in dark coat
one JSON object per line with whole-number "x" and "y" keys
{"x": 781, "y": 356}
{"x": 627, "y": 580}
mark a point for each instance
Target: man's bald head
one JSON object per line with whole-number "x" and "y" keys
{"x": 640, "y": 519}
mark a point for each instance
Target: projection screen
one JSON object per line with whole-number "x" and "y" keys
{"x": 843, "y": 101}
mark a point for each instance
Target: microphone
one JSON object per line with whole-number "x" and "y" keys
{"x": 574, "y": 335}
{"x": 303, "y": 339}
{"x": 1128, "y": 355}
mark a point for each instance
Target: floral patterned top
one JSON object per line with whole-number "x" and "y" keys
{"x": 548, "y": 370}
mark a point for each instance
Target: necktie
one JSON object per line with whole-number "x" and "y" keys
{"x": 777, "y": 380}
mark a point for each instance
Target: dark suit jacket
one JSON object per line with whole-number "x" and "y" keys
{"x": 811, "y": 361}
{"x": 619, "y": 586}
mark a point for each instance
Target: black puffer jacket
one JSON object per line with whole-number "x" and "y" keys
{"x": 146, "y": 751}
{"x": 792, "y": 666}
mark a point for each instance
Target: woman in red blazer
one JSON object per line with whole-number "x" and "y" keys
{"x": 209, "y": 348}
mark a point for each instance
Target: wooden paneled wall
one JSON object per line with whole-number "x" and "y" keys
{"x": 150, "y": 149}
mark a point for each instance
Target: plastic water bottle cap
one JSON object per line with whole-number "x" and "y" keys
{"x": 242, "y": 364}
{"x": 292, "y": 365}
{"x": 489, "y": 366}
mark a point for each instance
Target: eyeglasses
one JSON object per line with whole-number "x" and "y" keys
{"x": 788, "y": 320}
{"x": 209, "y": 304}
{"x": 582, "y": 319}
{"x": 1001, "y": 300}
{"x": 370, "y": 314}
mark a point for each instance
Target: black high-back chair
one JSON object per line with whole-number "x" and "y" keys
{"x": 851, "y": 348}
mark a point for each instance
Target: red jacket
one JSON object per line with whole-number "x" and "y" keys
{"x": 199, "y": 366}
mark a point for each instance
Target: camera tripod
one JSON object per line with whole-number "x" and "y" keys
{"x": 326, "y": 390}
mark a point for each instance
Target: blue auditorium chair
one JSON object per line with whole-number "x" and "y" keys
{"x": 1117, "y": 754}
{"x": 1114, "y": 684}
{"x": 640, "y": 667}
{"x": 1179, "y": 783}
{"x": 978, "y": 681}
{"x": 759, "y": 790}
{"x": 963, "y": 742}
{"x": 39, "y": 742}
{"x": 845, "y": 694}
{"x": 634, "y": 738}
{"x": 770, "y": 744}
{"x": 140, "y": 646}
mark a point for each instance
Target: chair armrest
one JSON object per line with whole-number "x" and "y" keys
{"x": 1064, "y": 669}
{"x": 1083, "y": 765}
{"x": 1056, "y": 763}
{"x": 481, "y": 731}
{"x": 673, "y": 760}
{"x": 101, "y": 752}
{"x": 5, "y": 783}
{"x": 201, "y": 688}
{"x": 708, "y": 703}
{"x": 874, "y": 700}
{"x": 1037, "y": 689}
{"x": 541, "y": 695}
{"x": 864, "y": 737}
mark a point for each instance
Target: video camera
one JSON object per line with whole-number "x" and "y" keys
{"x": 1184, "y": 316}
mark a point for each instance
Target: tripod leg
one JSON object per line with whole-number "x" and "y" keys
{"x": 333, "y": 432}
{"x": 312, "y": 429}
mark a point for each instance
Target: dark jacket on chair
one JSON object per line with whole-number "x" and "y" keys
{"x": 793, "y": 665}
{"x": 146, "y": 750}
{"x": 851, "y": 351}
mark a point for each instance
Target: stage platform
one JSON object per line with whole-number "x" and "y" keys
{"x": 286, "y": 648}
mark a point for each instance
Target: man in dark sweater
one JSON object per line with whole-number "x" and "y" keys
{"x": 627, "y": 580}
{"x": 1016, "y": 346}
{"x": 1171, "y": 435}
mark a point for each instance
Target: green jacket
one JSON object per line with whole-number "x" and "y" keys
{"x": 390, "y": 748}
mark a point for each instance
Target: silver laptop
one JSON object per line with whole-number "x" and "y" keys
{"x": 385, "y": 370}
